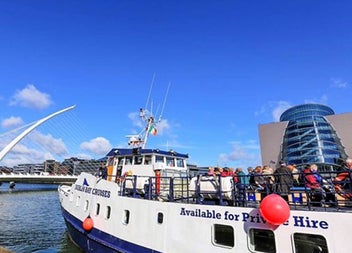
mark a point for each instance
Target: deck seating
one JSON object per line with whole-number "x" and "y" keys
{"x": 209, "y": 187}
{"x": 139, "y": 182}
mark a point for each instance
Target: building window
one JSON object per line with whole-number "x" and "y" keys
{"x": 262, "y": 240}
{"x": 309, "y": 243}
{"x": 223, "y": 235}
{"x": 126, "y": 217}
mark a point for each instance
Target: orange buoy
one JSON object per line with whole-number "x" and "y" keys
{"x": 88, "y": 224}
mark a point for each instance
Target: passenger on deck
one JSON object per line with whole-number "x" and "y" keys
{"x": 259, "y": 179}
{"x": 241, "y": 186}
{"x": 250, "y": 178}
{"x": 224, "y": 172}
{"x": 269, "y": 177}
{"x": 241, "y": 176}
{"x": 320, "y": 192}
{"x": 295, "y": 174}
{"x": 283, "y": 181}
{"x": 103, "y": 171}
{"x": 343, "y": 180}
{"x": 211, "y": 171}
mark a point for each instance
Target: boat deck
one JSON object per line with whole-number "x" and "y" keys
{"x": 216, "y": 192}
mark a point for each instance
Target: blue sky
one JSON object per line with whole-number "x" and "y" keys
{"x": 231, "y": 65}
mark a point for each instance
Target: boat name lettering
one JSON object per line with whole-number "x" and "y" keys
{"x": 93, "y": 191}
{"x": 297, "y": 221}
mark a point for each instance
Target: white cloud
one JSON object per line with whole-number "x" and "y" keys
{"x": 279, "y": 108}
{"x": 48, "y": 142}
{"x": 23, "y": 154}
{"x": 162, "y": 126}
{"x": 338, "y": 83}
{"x": 135, "y": 118}
{"x": 31, "y": 97}
{"x": 322, "y": 100}
{"x": 276, "y": 108}
{"x": 99, "y": 146}
{"x": 12, "y": 122}
{"x": 242, "y": 154}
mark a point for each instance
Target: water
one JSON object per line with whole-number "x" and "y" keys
{"x": 31, "y": 221}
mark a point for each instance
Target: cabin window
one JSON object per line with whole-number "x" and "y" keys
{"x": 111, "y": 162}
{"x": 86, "y": 205}
{"x": 120, "y": 162}
{"x": 223, "y": 235}
{"x": 108, "y": 212}
{"x": 262, "y": 240}
{"x": 138, "y": 159}
{"x": 128, "y": 160}
{"x": 97, "y": 209}
{"x": 148, "y": 159}
{"x": 160, "y": 218}
{"x": 180, "y": 162}
{"x": 126, "y": 217}
{"x": 170, "y": 161}
{"x": 309, "y": 243}
{"x": 159, "y": 159}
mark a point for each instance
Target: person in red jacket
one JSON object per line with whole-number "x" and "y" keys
{"x": 314, "y": 181}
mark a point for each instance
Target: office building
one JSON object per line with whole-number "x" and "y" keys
{"x": 307, "y": 133}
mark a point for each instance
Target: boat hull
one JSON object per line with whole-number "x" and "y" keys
{"x": 97, "y": 241}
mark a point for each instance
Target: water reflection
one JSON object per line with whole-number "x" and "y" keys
{"x": 31, "y": 221}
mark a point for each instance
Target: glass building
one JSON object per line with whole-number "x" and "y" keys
{"x": 310, "y": 138}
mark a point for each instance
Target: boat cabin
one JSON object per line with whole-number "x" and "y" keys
{"x": 145, "y": 162}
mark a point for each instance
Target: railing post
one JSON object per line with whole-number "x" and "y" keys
{"x": 220, "y": 191}
{"x": 171, "y": 189}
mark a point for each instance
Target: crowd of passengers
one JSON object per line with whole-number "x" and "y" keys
{"x": 322, "y": 187}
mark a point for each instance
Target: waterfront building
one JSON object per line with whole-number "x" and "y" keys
{"x": 29, "y": 168}
{"x": 75, "y": 166}
{"x": 308, "y": 133}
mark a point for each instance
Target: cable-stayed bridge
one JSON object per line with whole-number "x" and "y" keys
{"x": 17, "y": 150}
{"x": 37, "y": 178}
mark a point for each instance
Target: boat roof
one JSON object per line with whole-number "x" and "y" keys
{"x": 141, "y": 151}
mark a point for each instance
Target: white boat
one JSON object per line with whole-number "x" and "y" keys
{"x": 149, "y": 203}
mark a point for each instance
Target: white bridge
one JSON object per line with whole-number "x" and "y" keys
{"x": 42, "y": 178}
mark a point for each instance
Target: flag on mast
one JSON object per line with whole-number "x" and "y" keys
{"x": 152, "y": 130}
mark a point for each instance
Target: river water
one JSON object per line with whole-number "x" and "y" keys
{"x": 31, "y": 221}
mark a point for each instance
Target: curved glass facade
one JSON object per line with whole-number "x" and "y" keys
{"x": 310, "y": 138}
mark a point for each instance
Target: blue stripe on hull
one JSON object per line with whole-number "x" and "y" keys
{"x": 98, "y": 241}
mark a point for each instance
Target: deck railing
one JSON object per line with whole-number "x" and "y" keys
{"x": 185, "y": 189}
